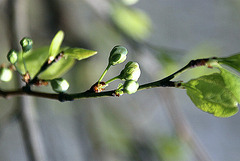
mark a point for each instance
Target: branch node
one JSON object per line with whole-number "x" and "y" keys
{"x": 26, "y": 88}
{"x": 98, "y": 87}
{"x": 62, "y": 97}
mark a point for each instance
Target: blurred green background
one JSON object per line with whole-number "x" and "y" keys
{"x": 160, "y": 124}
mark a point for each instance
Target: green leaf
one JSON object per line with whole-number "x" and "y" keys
{"x": 79, "y": 53}
{"x": 57, "y": 69}
{"x": 56, "y": 44}
{"x": 133, "y": 22}
{"x": 210, "y": 94}
{"x": 232, "y": 82}
{"x": 232, "y": 61}
{"x": 36, "y": 58}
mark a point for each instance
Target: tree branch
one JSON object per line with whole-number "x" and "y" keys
{"x": 165, "y": 82}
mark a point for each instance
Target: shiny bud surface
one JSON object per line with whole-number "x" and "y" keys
{"x": 59, "y": 85}
{"x": 118, "y": 55}
{"x": 130, "y": 86}
{"x": 26, "y": 44}
{"x": 131, "y": 71}
{"x": 12, "y": 56}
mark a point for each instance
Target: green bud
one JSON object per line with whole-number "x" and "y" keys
{"x": 12, "y": 56}
{"x": 118, "y": 55}
{"x": 26, "y": 44}
{"x": 5, "y": 74}
{"x": 130, "y": 86}
{"x": 131, "y": 71}
{"x": 59, "y": 85}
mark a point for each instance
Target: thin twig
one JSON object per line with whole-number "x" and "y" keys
{"x": 165, "y": 82}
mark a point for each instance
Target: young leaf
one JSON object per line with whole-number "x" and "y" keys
{"x": 56, "y": 44}
{"x": 79, "y": 53}
{"x": 232, "y": 61}
{"x": 36, "y": 58}
{"x": 210, "y": 94}
{"x": 57, "y": 69}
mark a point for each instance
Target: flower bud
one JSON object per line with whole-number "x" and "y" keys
{"x": 59, "y": 85}
{"x": 12, "y": 56}
{"x": 131, "y": 71}
{"x": 26, "y": 44}
{"x": 5, "y": 74}
{"x": 130, "y": 86}
{"x": 118, "y": 55}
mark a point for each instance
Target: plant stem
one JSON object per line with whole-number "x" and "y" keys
{"x": 24, "y": 63}
{"x": 104, "y": 73}
{"x": 165, "y": 82}
{"x": 113, "y": 79}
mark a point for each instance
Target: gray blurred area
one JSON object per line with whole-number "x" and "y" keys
{"x": 160, "y": 124}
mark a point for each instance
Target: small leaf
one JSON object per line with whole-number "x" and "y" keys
{"x": 79, "y": 53}
{"x": 36, "y": 58}
{"x": 232, "y": 61}
{"x": 210, "y": 94}
{"x": 57, "y": 69}
{"x": 56, "y": 44}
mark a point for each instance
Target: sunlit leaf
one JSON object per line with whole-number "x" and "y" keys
{"x": 210, "y": 94}
{"x": 56, "y": 43}
{"x": 57, "y": 69}
{"x": 232, "y": 61}
{"x": 133, "y": 22}
{"x": 36, "y": 58}
{"x": 232, "y": 82}
{"x": 78, "y": 53}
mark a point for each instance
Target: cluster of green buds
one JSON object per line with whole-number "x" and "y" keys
{"x": 129, "y": 74}
{"x": 59, "y": 85}
{"x": 117, "y": 55}
{"x": 13, "y": 57}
